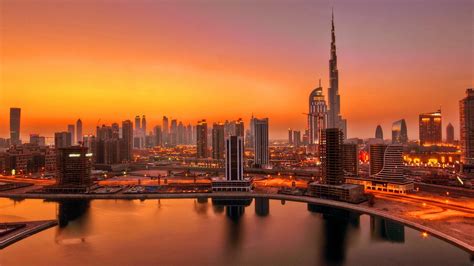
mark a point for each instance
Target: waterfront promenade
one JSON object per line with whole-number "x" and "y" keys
{"x": 461, "y": 235}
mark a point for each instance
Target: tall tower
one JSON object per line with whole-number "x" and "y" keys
{"x": 466, "y": 109}
{"x": 218, "y": 141}
{"x": 379, "y": 132}
{"x": 317, "y": 116}
{"x": 72, "y": 130}
{"x": 431, "y": 128}
{"x": 79, "y": 130}
{"x": 201, "y": 139}
{"x": 165, "y": 131}
{"x": 335, "y": 119}
{"x": 261, "y": 149}
{"x": 15, "y": 126}
{"x": 234, "y": 159}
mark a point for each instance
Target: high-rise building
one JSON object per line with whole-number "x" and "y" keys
{"x": 138, "y": 126}
{"x": 335, "y": 119}
{"x": 79, "y": 130}
{"x": 143, "y": 128}
{"x": 126, "y": 144}
{"x": 72, "y": 130}
{"x": 332, "y": 159}
{"x": 466, "y": 108}
{"x": 290, "y": 137}
{"x": 15, "y": 115}
{"x": 62, "y": 140}
{"x": 239, "y": 128}
{"x": 74, "y": 168}
{"x": 297, "y": 139}
{"x": 157, "y": 135}
{"x": 260, "y": 147}
{"x": 379, "y": 132}
{"x": 166, "y": 131}
{"x": 317, "y": 116}
{"x": 351, "y": 159}
{"x": 386, "y": 161}
{"x": 36, "y": 139}
{"x": 399, "y": 132}
{"x": 201, "y": 139}
{"x": 234, "y": 162}
{"x": 431, "y": 128}
{"x": 449, "y": 134}
{"x": 181, "y": 134}
{"x": 173, "y": 136}
{"x": 189, "y": 134}
{"x": 218, "y": 141}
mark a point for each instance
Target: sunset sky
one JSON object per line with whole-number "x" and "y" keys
{"x": 111, "y": 60}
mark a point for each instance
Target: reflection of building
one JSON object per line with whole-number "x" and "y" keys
{"x": 399, "y": 132}
{"x": 261, "y": 149}
{"x": 262, "y": 206}
{"x": 234, "y": 168}
{"x": 431, "y": 128}
{"x": 384, "y": 229}
{"x": 466, "y": 108}
{"x": 332, "y": 169}
{"x": 70, "y": 210}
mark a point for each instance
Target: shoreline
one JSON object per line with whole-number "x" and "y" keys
{"x": 304, "y": 199}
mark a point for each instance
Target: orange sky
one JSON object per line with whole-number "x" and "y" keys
{"x": 111, "y": 60}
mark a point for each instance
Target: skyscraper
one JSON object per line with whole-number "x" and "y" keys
{"x": 15, "y": 115}
{"x": 317, "y": 116}
{"x": 379, "y": 132}
{"x": 72, "y": 130}
{"x": 218, "y": 141}
{"x": 79, "y": 130}
{"x": 431, "y": 128}
{"x": 331, "y": 153}
{"x": 399, "y": 132}
{"x": 239, "y": 128}
{"x": 143, "y": 128}
{"x": 62, "y": 140}
{"x": 165, "y": 131}
{"x": 466, "y": 108}
{"x": 297, "y": 138}
{"x": 234, "y": 159}
{"x": 173, "y": 136}
{"x": 261, "y": 148}
{"x": 290, "y": 137}
{"x": 386, "y": 161}
{"x": 449, "y": 134}
{"x": 157, "y": 135}
{"x": 126, "y": 145}
{"x": 335, "y": 119}
{"x": 74, "y": 169}
{"x": 137, "y": 123}
{"x": 351, "y": 159}
{"x": 201, "y": 139}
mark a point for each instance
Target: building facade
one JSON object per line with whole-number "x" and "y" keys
{"x": 261, "y": 143}
{"x": 15, "y": 121}
{"x": 466, "y": 108}
{"x": 317, "y": 116}
{"x": 431, "y": 128}
{"x": 201, "y": 139}
{"x": 218, "y": 141}
{"x": 399, "y": 132}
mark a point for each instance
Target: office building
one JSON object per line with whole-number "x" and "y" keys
{"x": 290, "y": 137}
{"x": 15, "y": 118}
{"x": 431, "y": 128}
{"x": 126, "y": 144}
{"x": 317, "y": 116}
{"x": 261, "y": 148}
{"x": 239, "y": 128}
{"x": 72, "y": 130}
{"x": 79, "y": 131}
{"x": 157, "y": 133}
{"x": 379, "y": 132}
{"x": 165, "y": 131}
{"x": 466, "y": 108}
{"x": 399, "y": 132}
{"x": 36, "y": 139}
{"x": 332, "y": 185}
{"x": 218, "y": 141}
{"x": 351, "y": 159}
{"x": 297, "y": 139}
{"x": 201, "y": 139}
{"x": 62, "y": 140}
{"x": 234, "y": 168}
{"x": 449, "y": 134}
{"x": 73, "y": 170}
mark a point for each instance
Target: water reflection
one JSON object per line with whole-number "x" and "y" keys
{"x": 73, "y": 221}
{"x": 386, "y": 230}
{"x": 262, "y": 206}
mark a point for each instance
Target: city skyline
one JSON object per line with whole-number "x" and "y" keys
{"x": 262, "y": 75}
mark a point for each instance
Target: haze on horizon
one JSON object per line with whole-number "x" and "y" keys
{"x": 111, "y": 60}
